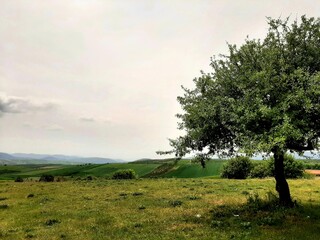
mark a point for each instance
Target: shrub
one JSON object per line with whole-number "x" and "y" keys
{"x": 46, "y": 178}
{"x": 237, "y": 168}
{"x": 292, "y": 167}
{"x": 260, "y": 170}
{"x": 175, "y": 203}
{"x": 19, "y": 179}
{"x": 314, "y": 166}
{"x": 4, "y": 206}
{"x": 51, "y": 222}
{"x": 89, "y": 178}
{"x": 124, "y": 174}
{"x": 31, "y": 195}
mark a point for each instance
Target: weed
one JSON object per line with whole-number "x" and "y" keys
{"x": 4, "y": 206}
{"x": 51, "y": 222}
{"x": 137, "y": 225}
{"x": 137, "y": 194}
{"x": 63, "y": 236}
{"x": 270, "y": 221}
{"x": 175, "y": 203}
{"x": 18, "y": 179}
{"x": 193, "y": 197}
{"x": 141, "y": 207}
{"x": 217, "y": 224}
{"x": 246, "y": 225}
{"x": 30, "y": 235}
{"x": 246, "y": 193}
{"x": 89, "y": 178}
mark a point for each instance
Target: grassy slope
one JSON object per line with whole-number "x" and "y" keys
{"x": 98, "y": 170}
{"x": 187, "y": 169}
{"x": 144, "y": 209}
{"x": 159, "y": 168}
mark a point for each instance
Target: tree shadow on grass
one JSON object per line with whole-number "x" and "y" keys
{"x": 265, "y": 218}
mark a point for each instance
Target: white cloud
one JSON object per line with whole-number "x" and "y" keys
{"x": 86, "y": 119}
{"x": 12, "y": 104}
{"x": 54, "y": 127}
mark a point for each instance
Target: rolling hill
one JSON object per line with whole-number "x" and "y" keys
{"x": 31, "y": 158}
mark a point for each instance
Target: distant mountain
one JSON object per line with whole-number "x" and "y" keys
{"x": 32, "y": 158}
{"x": 99, "y": 160}
{"x": 6, "y": 156}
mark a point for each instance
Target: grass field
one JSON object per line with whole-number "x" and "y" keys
{"x": 181, "y": 169}
{"x": 97, "y": 170}
{"x": 187, "y": 169}
{"x": 155, "y": 209}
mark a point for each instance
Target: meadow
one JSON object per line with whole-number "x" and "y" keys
{"x": 166, "y": 208}
{"x": 170, "y": 200}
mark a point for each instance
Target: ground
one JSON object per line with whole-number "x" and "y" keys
{"x": 155, "y": 209}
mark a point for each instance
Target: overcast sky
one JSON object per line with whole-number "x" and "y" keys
{"x": 100, "y": 78}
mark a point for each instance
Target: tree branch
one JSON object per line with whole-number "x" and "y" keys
{"x": 301, "y": 147}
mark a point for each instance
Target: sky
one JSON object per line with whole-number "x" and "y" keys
{"x": 101, "y": 78}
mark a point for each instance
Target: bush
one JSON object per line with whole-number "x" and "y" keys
{"x": 237, "y": 168}
{"x": 124, "y": 174}
{"x": 292, "y": 167}
{"x": 19, "y": 179}
{"x": 46, "y": 178}
{"x": 314, "y": 166}
{"x": 260, "y": 170}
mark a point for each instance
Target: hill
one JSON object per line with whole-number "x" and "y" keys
{"x": 168, "y": 168}
{"x": 31, "y": 158}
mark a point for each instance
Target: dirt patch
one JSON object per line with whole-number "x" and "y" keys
{"x": 314, "y": 172}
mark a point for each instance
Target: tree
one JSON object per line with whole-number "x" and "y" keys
{"x": 263, "y": 97}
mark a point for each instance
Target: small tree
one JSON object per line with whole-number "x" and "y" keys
{"x": 263, "y": 97}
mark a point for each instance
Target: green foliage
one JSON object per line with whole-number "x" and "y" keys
{"x": 124, "y": 174}
{"x": 46, "y": 178}
{"x": 315, "y": 166}
{"x": 237, "y": 168}
{"x": 242, "y": 167}
{"x": 260, "y": 170}
{"x": 292, "y": 168}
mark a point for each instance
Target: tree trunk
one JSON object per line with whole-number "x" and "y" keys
{"x": 282, "y": 186}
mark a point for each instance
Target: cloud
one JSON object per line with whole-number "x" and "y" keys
{"x": 54, "y": 128}
{"x": 84, "y": 119}
{"x": 12, "y": 104}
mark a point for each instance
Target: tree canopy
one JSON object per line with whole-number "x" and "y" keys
{"x": 262, "y": 97}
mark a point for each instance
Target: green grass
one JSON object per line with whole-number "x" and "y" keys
{"x": 189, "y": 169}
{"x": 156, "y": 209}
